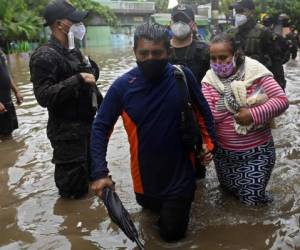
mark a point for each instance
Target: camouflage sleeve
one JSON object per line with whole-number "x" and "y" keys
{"x": 270, "y": 44}
{"x": 48, "y": 90}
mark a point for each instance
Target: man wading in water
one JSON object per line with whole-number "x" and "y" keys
{"x": 148, "y": 99}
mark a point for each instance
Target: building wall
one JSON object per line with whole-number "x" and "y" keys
{"x": 98, "y": 36}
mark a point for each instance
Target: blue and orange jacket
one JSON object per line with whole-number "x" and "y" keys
{"x": 160, "y": 167}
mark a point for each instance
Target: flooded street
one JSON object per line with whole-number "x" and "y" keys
{"x": 32, "y": 216}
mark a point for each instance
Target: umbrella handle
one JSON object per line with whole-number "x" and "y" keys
{"x": 139, "y": 244}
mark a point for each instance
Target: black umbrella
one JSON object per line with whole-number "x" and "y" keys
{"x": 120, "y": 216}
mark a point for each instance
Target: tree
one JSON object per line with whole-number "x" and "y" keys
{"x": 27, "y": 24}
{"x": 289, "y": 7}
{"x": 161, "y": 5}
{"x": 97, "y": 8}
{"x": 24, "y": 26}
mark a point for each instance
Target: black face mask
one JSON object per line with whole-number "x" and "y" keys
{"x": 153, "y": 69}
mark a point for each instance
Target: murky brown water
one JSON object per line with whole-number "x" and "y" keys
{"x": 32, "y": 216}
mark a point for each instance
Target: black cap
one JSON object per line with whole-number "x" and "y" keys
{"x": 183, "y": 13}
{"x": 243, "y": 4}
{"x": 62, "y": 9}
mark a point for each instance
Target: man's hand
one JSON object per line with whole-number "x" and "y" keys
{"x": 19, "y": 98}
{"x": 243, "y": 117}
{"x": 207, "y": 156}
{"x": 98, "y": 185}
{"x": 88, "y": 78}
{"x": 2, "y": 108}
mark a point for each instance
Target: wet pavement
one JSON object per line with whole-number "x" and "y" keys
{"x": 32, "y": 216}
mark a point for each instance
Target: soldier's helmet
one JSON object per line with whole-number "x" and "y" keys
{"x": 284, "y": 20}
{"x": 268, "y": 20}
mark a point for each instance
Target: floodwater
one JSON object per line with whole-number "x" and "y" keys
{"x": 32, "y": 216}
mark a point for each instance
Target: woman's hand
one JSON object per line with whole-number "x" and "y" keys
{"x": 207, "y": 155}
{"x": 243, "y": 117}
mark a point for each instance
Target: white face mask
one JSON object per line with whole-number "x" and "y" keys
{"x": 181, "y": 30}
{"x": 240, "y": 19}
{"x": 79, "y": 30}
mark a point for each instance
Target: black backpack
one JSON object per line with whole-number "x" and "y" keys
{"x": 189, "y": 128}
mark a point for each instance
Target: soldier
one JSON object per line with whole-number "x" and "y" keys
{"x": 293, "y": 36}
{"x": 289, "y": 34}
{"x": 188, "y": 50}
{"x": 256, "y": 41}
{"x": 65, "y": 83}
{"x": 282, "y": 43}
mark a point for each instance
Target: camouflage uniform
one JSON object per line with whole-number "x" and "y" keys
{"x": 259, "y": 43}
{"x": 195, "y": 57}
{"x": 58, "y": 86}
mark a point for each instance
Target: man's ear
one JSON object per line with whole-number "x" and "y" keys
{"x": 58, "y": 24}
{"x": 193, "y": 26}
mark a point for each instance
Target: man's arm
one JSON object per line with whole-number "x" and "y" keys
{"x": 13, "y": 86}
{"x": 16, "y": 91}
{"x": 49, "y": 92}
{"x": 203, "y": 112}
{"x": 107, "y": 116}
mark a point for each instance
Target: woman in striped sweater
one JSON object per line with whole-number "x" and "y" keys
{"x": 246, "y": 155}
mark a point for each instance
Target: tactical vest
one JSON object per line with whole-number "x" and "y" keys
{"x": 83, "y": 107}
{"x": 195, "y": 58}
{"x": 250, "y": 43}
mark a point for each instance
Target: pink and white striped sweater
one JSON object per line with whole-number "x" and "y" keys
{"x": 262, "y": 114}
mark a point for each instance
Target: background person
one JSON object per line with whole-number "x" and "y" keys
{"x": 246, "y": 155}
{"x": 187, "y": 50}
{"x": 256, "y": 41}
{"x": 8, "y": 116}
{"x": 64, "y": 83}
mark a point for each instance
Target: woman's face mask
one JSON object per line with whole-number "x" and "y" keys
{"x": 181, "y": 30}
{"x": 240, "y": 19}
{"x": 224, "y": 69}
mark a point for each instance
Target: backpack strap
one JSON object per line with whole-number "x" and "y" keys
{"x": 182, "y": 84}
{"x": 191, "y": 135}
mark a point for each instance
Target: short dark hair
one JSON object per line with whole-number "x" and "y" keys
{"x": 225, "y": 38}
{"x": 235, "y": 47}
{"x": 153, "y": 32}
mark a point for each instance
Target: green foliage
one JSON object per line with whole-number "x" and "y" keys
{"x": 224, "y": 6}
{"x": 195, "y": 2}
{"x": 290, "y": 7}
{"x": 17, "y": 22}
{"x": 22, "y": 46}
{"x": 161, "y": 5}
{"x": 21, "y": 19}
{"x": 97, "y": 8}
